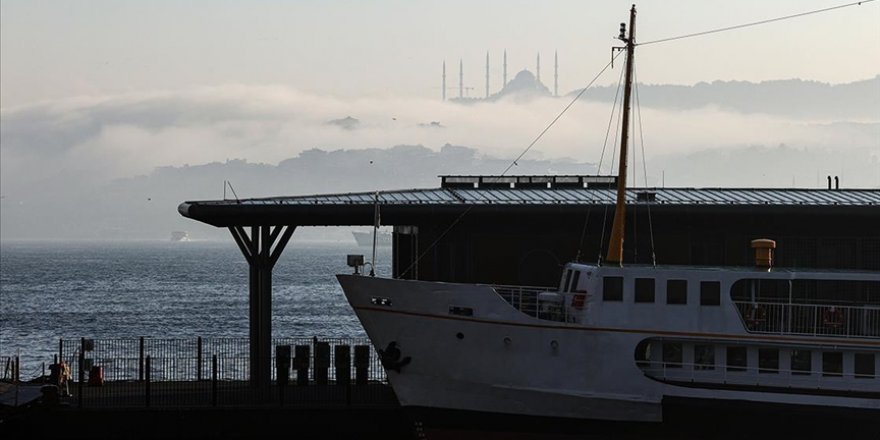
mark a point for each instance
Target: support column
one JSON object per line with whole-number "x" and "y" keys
{"x": 261, "y": 257}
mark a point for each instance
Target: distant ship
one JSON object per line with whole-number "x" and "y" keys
{"x": 366, "y": 238}
{"x": 179, "y": 236}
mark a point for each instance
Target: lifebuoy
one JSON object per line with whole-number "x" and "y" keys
{"x": 832, "y": 317}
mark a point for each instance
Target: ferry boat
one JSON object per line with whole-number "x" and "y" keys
{"x": 179, "y": 236}
{"x": 615, "y": 342}
{"x": 365, "y": 238}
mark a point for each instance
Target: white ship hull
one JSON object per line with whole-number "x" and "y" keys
{"x": 480, "y": 372}
{"x": 500, "y": 360}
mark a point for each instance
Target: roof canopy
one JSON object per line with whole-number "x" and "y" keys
{"x": 400, "y": 206}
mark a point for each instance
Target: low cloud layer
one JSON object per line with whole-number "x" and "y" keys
{"x": 68, "y": 149}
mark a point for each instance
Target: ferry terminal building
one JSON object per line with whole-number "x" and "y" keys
{"x": 520, "y": 230}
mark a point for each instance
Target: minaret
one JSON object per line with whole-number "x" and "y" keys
{"x": 538, "y": 68}
{"x": 504, "y": 83}
{"x": 444, "y": 80}
{"x": 556, "y": 73}
{"x": 487, "y": 74}
{"x": 460, "y": 79}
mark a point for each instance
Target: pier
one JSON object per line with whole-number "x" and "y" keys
{"x": 201, "y": 387}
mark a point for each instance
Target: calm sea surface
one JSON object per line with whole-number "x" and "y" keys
{"x": 50, "y": 290}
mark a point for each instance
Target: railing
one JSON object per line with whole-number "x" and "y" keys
{"x": 527, "y": 300}
{"x": 145, "y": 372}
{"x": 810, "y": 319}
{"x": 757, "y": 376}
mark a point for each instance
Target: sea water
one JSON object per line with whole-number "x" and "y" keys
{"x": 73, "y": 289}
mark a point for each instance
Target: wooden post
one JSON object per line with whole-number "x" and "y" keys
{"x": 282, "y": 367}
{"x": 342, "y": 355}
{"x": 361, "y": 364}
{"x": 322, "y": 362}
{"x": 301, "y": 362}
{"x": 342, "y": 358}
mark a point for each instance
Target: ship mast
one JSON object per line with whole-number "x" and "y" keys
{"x": 615, "y": 246}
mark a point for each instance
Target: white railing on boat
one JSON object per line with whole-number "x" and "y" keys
{"x": 528, "y": 300}
{"x": 758, "y": 377}
{"x": 810, "y": 319}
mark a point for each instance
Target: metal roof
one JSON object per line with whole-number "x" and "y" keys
{"x": 577, "y": 196}
{"x": 407, "y": 207}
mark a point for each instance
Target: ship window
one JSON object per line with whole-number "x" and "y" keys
{"x": 864, "y": 365}
{"x": 612, "y": 289}
{"x": 676, "y": 292}
{"x": 567, "y": 284}
{"x": 672, "y": 354}
{"x": 806, "y": 291}
{"x": 574, "y": 281}
{"x": 801, "y": 361}
{"x": 704, "y": 357}
{"x": 644, "y": 290}
{"x": 461, "y": 311}
{"x": 736, "y": 358}
{"x": 643, "y": 354}
{"x": 768, "y": 360}
{"x": 710, "y": 293}
{"x": 832, "y": 363}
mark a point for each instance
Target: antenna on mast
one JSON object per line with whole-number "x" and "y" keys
{"x": 615, "y": 246}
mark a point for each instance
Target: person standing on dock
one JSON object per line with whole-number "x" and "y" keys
{"x": 59, "y": 374}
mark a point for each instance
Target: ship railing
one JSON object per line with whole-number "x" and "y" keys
{"x": 528, "y": 300}
{"x": 758, "y": 376}
{"x": 810, "y": 319}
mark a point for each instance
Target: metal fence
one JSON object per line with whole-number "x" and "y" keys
{"x": 539, "y": 302}
{"x": 148, "y": 372}
{"x": 810, "y": 319}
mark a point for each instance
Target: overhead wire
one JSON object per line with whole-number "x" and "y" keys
{"x": 513, "y": 163}
{"x": 644, "y": 164}
{"x": 601, "y": 161}
{"x": 744, "y": 25}
{"x": 635, "y": 180}
{"x": 610, "y": 120}
{"x": 560, "y": 114}
{"x": 610, "y": 63}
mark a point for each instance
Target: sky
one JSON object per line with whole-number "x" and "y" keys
{"x": 96, "y": 91}
{"x": 382, "y": 48}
